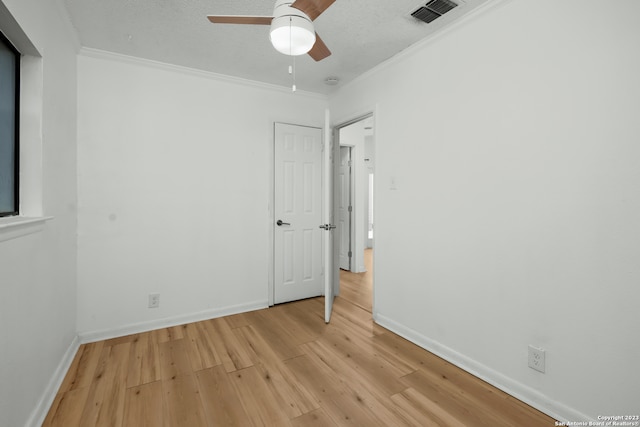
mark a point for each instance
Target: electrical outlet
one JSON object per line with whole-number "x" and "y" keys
{"x": 536, "y": 358}
{"x": 154, "y": 300}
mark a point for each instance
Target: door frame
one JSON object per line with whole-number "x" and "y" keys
{"x": 349, "y": 120}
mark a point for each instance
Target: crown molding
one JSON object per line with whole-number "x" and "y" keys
{"x": 112, "y": 56}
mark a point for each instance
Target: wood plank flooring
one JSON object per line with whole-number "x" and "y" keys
{"x": 281, "y": 366}
{"x": 357, "y": 288}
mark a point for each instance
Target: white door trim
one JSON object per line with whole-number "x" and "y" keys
{"x": 349, "y": 120}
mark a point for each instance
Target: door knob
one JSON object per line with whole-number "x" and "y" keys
{"x": 328, "y": 227}
{"x": 280, "y": 223}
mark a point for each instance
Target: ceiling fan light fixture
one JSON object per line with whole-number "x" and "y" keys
{"x": 291, "y": 28}
{"x": 292, "y": 35}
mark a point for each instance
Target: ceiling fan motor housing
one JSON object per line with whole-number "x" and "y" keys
{"x": 292, "y": 31}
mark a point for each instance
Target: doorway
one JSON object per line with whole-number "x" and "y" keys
{"x": 354, "y": 201}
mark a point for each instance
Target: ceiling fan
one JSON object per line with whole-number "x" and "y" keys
{"x": 292, "y": 30}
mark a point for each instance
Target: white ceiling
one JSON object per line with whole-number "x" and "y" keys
{"x": 360, "y": 34}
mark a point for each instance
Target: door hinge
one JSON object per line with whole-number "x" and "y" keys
{"x": 350, "y": 209}
{"x": 350, "y": 254}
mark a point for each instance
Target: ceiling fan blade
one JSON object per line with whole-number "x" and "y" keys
{"x": 239, "y": 19}
{"x": 312, "y": 8}
{"x": 319, "y": 51}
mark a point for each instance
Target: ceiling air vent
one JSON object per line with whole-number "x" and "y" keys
{"x": 433, "y": 10}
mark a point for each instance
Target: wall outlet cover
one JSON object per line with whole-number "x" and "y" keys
{"x": 154, "y": 300}
{"x": 537, "y": 358}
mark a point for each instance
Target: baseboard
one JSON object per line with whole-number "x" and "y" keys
{"x": 534, "y": 398}
{"x": 134, "y": 328}
{"x": 46, "y": 399}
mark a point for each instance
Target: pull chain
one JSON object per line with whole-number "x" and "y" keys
{"x": 292, "y": 68}
{"x": 293, "y": 89}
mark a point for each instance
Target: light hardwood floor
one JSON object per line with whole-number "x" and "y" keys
{"x": 281, "y": 366}
{"x": 357, "y": 288}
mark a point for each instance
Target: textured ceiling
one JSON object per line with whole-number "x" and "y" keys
{"x": 360, "y": 34}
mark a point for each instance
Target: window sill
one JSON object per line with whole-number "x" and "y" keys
{"x": 18, "y": 226}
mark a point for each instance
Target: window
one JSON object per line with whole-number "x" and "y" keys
{"x": 9, "y": 116}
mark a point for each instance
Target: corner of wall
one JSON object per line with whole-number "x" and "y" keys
{"x": 514, "y": 388}
{"x": 48, "y": 395}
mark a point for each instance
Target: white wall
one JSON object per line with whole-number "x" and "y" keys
{"x": 38, "y": 271}
{"x": 174, "y": 192}
{"x": 514, "y": 143}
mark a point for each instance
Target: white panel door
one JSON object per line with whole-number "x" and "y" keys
{"x": 298, "y": 258}
{"x": 344, "y": 204}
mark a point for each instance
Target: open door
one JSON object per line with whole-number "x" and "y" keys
{"x": 330, "y": 242}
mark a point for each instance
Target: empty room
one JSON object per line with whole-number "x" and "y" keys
{"x": 317, "y": 212}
